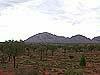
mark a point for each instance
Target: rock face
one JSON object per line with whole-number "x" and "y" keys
{"x": 80, "y": 39}
{"x": 96, "y": 39}
{"x": 46, "y": 37}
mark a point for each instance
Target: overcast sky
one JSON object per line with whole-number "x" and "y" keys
{"x": 20, "y": 19}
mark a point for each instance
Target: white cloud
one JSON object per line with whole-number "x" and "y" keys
{"x": 61, "y": 17}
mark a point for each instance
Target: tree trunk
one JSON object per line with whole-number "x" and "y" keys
{"x": 52, "y": 52}
{"x": 46, "y": 52}
{"x": 64, "y": 52}
{"x": 9, "y": 57}
{"x": 3, "y": 60}
{"x": 28, "y": 53}
{"x": 41, "y": 55}
{"x": 14, "y": 61}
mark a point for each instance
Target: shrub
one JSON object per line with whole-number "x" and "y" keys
{"x": 82, "y": 61}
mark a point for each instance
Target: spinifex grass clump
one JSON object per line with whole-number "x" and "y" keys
{"x": 4, "y": 65}
{"x": 73, "y": 72}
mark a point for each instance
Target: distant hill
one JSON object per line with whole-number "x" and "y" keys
{"x": 96, "y": 39}
{"x": 80, "y": 39}
{"x": 46, "y": 37}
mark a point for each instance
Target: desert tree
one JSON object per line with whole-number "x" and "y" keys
{"x": 41, "y": 49}
{"x": 91, "y": 47}
{"x": 13, "y": 49}
{"x": 52, "y": 48}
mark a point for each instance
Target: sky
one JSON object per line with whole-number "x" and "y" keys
{"x": 20, "y": 19}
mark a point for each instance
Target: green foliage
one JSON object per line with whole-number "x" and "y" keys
{"x": 53, "y": 48}
{"x": 12, "y": 47}
{"x": 73, "y": 72}
{"x": 27, "y": 62}
{"x": 82, "y": 61}
{"x": 4, "y": 65}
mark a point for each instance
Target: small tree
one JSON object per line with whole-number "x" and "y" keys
{"x": 53, "y": 48}
{"x": 82, "y": 61}
{"x": 41, "y": 48}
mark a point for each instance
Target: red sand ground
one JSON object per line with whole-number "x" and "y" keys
{"x": 7, "y": 72}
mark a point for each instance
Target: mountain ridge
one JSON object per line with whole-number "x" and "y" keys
{"x": 46, "y": 37}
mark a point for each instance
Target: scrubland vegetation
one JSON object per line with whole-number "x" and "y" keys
{"x": 19, "y": 58}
